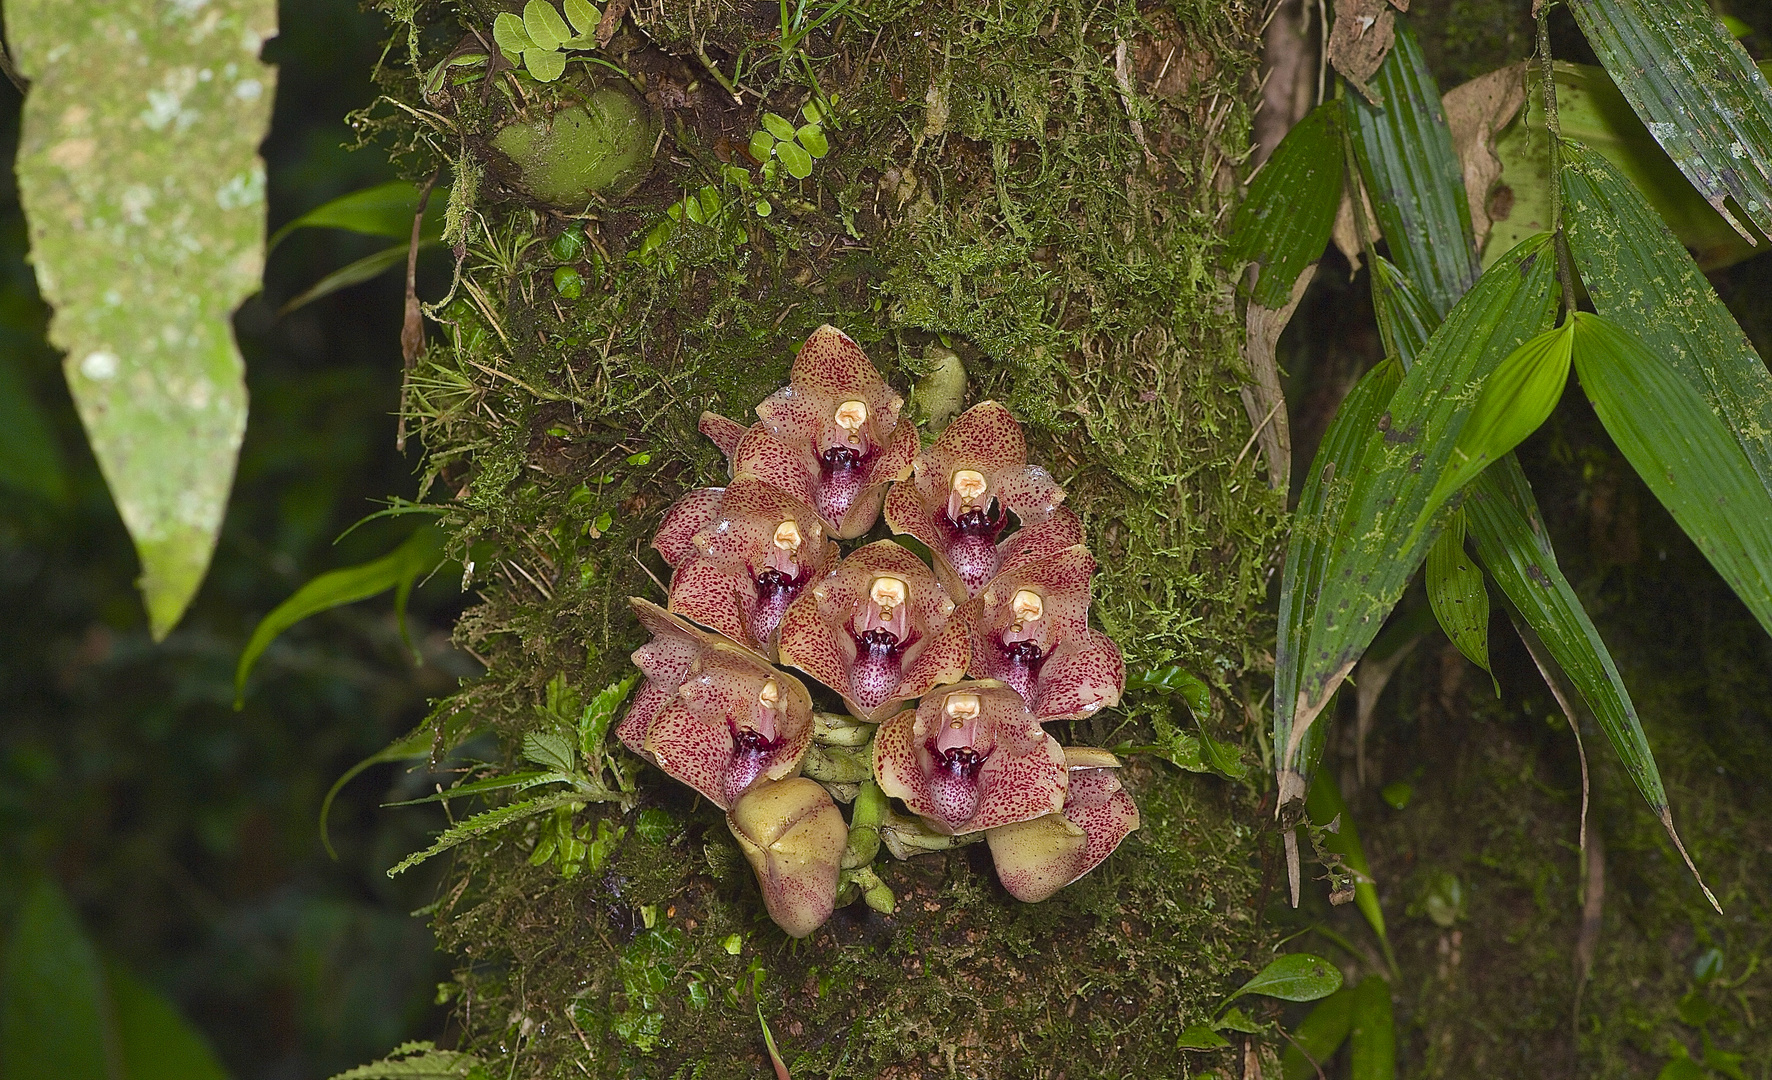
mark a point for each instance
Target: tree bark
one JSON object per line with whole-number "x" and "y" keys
{"x": 1039, "y": 187}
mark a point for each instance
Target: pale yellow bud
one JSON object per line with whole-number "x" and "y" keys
{"x": 1027, "y": 606}
{"x": 787, "y": 536}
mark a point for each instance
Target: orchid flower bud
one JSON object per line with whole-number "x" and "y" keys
{"x": 878, "y": 630}
{"x": 970, "y": 757}
{"x": 963, "y": 491}
{"x": 1037, "y": 858}
{"x": 794, "y": 838}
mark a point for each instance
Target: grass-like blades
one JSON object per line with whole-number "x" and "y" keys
{"x": 1642, "y": 279}
{"x": 1413, "y": 174}
{"x": 1504, "y": 521}
{"x": 1374, "y": 547}
{"x": 1694, "y": 86}
{"x": 1686, "y": 455}
{"x": 1284, "y": 224}
{"x": 383, "y": 210}
{"x": 399, "y": 569}
{"x": 1372, "y": 1038}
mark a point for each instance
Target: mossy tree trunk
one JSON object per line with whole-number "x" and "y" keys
{"x": 1040, "y": 187}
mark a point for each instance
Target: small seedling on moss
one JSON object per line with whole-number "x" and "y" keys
{"x": 795, "y": 147}
{"x": 538, "y": 41}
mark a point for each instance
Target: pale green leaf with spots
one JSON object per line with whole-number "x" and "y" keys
{"x": 144, "y": 193}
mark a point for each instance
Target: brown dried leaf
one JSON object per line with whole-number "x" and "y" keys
{"x": 1360, "y": 40}
{"x": 1262, "y": 399}
{"x": 1476, "y": 112}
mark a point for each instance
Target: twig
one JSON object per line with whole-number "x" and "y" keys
{"x": 412, "y": 324}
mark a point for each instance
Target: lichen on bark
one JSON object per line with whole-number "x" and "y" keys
{"x": 1038, "y": 188}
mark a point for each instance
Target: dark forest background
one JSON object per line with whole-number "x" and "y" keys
{"x": 185, "y": 832}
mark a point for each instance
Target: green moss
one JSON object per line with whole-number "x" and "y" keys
{"x": 603, "y": 147}
{"x": 967, "y": 205}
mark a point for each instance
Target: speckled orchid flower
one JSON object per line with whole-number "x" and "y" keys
{"x": 732, "y": 719}
{"x": 794, "y": 837}
{"x": 832, "y": 438}
{"x": 879, "y": 630}
{"x": 971, "y": 757}
{"x": 1037, "y": 858}
{"x": 1030, "y": 629}
{"x": 963, "y": 490}
{"x": 741, "y": 555}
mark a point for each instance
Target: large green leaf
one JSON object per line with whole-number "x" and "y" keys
{"x": 399, "y": 569}
{"x": 1406, "y": 159}
{"x": 1284, "y": 223}
{"x": 1686, "y": 455}
{"x": 1592, "y": 112}
{"x": 1318, "y": 1036}
{"x": 1700, "y": 95}
{"x": 144, "y": 192}
{"x": 1641, "y": 279}
{"x": 66, "y": 1015}
{"x": 1375, "y": 546}
{"x": 1372, "y": 1039}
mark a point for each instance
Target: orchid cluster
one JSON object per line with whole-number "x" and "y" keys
{"x": 950, "y": 669}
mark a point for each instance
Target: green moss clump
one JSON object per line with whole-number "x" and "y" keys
{"x": 603, "y": 147}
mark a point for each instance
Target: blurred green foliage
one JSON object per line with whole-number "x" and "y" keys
{"x": 185, "y": 833}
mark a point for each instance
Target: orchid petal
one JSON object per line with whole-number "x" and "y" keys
{"x": 1000, "y": 768}
{"x": 835, "y": 631}
{"x": 1037, "y": 858}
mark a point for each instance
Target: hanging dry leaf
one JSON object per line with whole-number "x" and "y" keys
{"x": 1476, "y": 112}
{"x": 1360, "y": 40}
{"x": 1262, "y": 399}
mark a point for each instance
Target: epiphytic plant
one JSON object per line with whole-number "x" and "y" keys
{"x": 1006, "y": 601}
